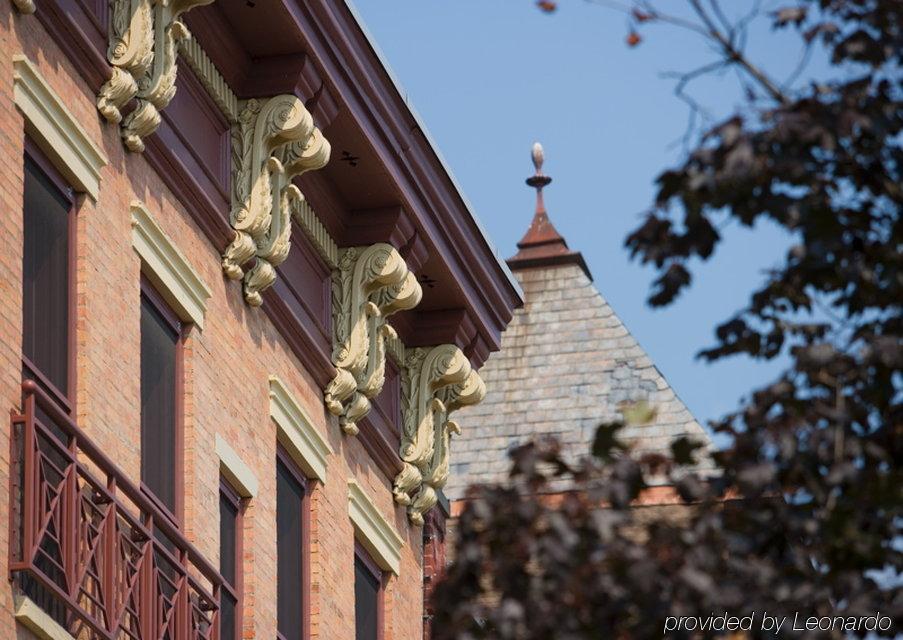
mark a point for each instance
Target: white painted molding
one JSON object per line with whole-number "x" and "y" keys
{"x": 54, "y": 129}
{"x": 167, "y": 267}
{"x": 217, "y": 87}
{"x": 297, "y": 432}
{"x": 36, "y": 620}
{"x": 373, "y": 531}
{"x": 316, "y": 233}
{"x": 235, "y": 470}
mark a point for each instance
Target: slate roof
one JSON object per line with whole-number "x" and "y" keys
{"x": 566, "y": 364}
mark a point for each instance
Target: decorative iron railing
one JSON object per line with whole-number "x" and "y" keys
{"x": 90, "y": 548}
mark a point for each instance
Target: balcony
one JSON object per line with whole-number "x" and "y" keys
{"x": 89, "y": 548}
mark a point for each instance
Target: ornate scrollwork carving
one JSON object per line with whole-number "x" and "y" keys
{"x": 274, "y": 141}
{"x": 436, "y": 382}
{"x": 144, "y": 35}
{"x": 370, "y": 284}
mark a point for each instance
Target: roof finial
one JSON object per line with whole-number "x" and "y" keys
{"x": 538, "y": 180}
{"x": 537, "y": 157}
{"x": 542, "y": 245}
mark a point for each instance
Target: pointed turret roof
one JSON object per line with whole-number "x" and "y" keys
{"x": 567, "y": 364}
{"x": 542, "y": 245}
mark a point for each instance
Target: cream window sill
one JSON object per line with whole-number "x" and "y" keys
{"x": 36, "y": 620}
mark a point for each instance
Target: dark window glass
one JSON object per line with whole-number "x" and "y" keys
{"x": 228, "y": 537}
{"x": 45, "y": 278}
{"x": 290, "y": 581}
{"x": 228, "y": 564}
{"x": 366, "y": 602}
{"x": 159, "y": 351}
{"x": 227, "y": 616}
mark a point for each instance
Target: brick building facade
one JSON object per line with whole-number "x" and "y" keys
{"x": 213, "y": 322}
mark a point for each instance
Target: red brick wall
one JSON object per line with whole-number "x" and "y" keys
{"x": 227, "y": 365}
{"x": 435, "y": 539}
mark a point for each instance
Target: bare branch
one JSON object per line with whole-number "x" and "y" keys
{"x": 684, "y": 79}
{"x": 716, "y": 9}
{"x": 735, "y": 55}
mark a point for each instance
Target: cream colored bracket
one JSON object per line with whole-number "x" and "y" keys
{"x": 167, "y": 267}
{"x": 274, "y": 141}
{"x": 235, "y": 470}
{"x": 36, "y": 620}
{"x": 373, "y": 531}
{"x": 143, "y": 47}
{"x": 54, "y": 129}
{"x": 297, "y": 432}
{"x": 435, "y": 382}
{"x": 370, "y": 285}
{"x": 24, "y": 6}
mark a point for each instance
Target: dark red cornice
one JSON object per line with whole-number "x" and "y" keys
{"x": 362, "y": 84}
{"x": 212, "y": 221}
{"x": 338, "y": 69}
{"x": 391, "y": 225}
{"x": 303, "y": 343}
{"x": 81, "y": 34}
{"x": 383, "y": 452}
{"x": 335, "y": 63}
{"x": 248, "y": 77}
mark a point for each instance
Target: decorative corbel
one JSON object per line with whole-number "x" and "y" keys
{"x": 24, "y": 6}
{"x": 370, "y": 284}
{"x": 274, "y": 141}
{"x": 435, "y": 382}
{"x": 144, "y": 35}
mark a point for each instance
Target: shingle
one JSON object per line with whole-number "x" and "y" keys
{"x": 566, "y": 363}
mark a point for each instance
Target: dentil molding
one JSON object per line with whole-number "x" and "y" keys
{"x": 369, "y": 285}
{"x": 274, "y": 141}
{"x": 435, "y": 382}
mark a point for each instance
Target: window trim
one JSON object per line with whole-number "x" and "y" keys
{"x": 49, "y": 122}
{"x": 296, "y": 432}
{"x": 167, "y": 268}
{"x": 382, "y": 577}
{"x": 284, "y": 457}
{"x": 371, "y": 528}
{"x": 66, "y": 398}
{"x": 150, "y": 293}
{"x": 236, "y": 590}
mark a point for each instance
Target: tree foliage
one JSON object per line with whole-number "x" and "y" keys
{"x": 803, "y": 511}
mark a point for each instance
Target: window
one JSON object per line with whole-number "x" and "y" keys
{"x": 161, "y": 373}
{"x": 368, "y": 597}
{"x": 230, "y": 558}
{"x": 49, "y": 225}
{"x": 48, "y": 341}
{"x": 292, "y": 579}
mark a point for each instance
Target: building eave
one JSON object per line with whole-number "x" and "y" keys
{"x": 434, "y": 148}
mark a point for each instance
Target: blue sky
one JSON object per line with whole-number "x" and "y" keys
{"x": 490, "y": 77}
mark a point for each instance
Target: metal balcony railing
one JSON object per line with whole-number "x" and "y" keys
{"x": 90, "y": 548}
